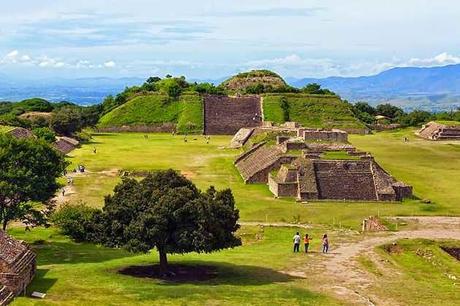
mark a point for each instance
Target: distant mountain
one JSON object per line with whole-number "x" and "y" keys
{"x": 82, "y": 90}
{"x": 435, "y": 88}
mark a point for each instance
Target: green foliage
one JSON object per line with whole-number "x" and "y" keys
{"x": 28, "y": 173}
{"x": 33, "y": 105}
{"x": 315, "y": 89}
{"x": 285, "y": 107}
{"x": 390, "y": 111}
{"x": 415, "y": 118}
{"x": 166, "y": 211}
{"x": 45, "y": 133}
{"x": 311, "y": 111}
{"x": 74, "y": 220}
{"x": 157, "y": 109}
{"x": 67, "y": 120}
{"x": 257, "y": 73}
{"x": 364, "y": 112}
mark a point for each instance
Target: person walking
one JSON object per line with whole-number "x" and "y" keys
{"x": 306, "y": 242}
{"x": 296, "y": 240}
{"x": 325, "y": 244}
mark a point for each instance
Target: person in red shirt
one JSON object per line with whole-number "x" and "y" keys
{"x": 306, "y": 242}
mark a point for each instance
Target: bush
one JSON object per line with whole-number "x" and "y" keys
{"x": 45, "y": 133}
{"x": 74, "y": 220}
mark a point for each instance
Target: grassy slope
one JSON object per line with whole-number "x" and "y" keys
{"x": 311, "y": 111}
{"x": 84, "y": 274}
{"x": 5, "y": 128}
{"x": 423, "y": 273}
{"x": 156, "y": 109}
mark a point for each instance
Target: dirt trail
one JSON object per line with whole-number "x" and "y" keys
{"x": 344, "y": 276}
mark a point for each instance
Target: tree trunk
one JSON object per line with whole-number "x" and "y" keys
{"x": 163, "y": 262}
{"x": 5, "y": 223}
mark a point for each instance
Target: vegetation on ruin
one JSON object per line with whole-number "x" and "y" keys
{"x": 310, "y": 111}
{"x": 156, "y": 109}
{"x": 334, "y": 155}
{"x": 427, "y": 274}
{"x": 5, "y": 129}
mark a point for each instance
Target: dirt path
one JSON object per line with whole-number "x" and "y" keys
{"x": 344, "y": 276}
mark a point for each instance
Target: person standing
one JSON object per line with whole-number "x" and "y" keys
{"x": 296, "y": 240}
{"x": 306, "y": 242}
{"x": 325, "y": 244}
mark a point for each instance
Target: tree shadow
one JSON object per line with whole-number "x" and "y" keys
{"x": 72, "y": 253}
{"x": 218, "y": 273}
{"x": 40, "y": 282}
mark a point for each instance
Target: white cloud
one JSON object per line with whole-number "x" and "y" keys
{"x": 109, "y": 64}
{"x": 438, "y": 60}
{"x": 16, "y": 58}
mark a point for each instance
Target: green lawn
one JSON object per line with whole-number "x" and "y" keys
{"x": 311, "y": 111}
{"x": 84, "y": 274}
{"x": 156, "y": 109}
{"x": 426, "y": 274}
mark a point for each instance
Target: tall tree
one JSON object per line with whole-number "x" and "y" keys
{"x": 28, "y": 173}
{"x": 167, "y": 212}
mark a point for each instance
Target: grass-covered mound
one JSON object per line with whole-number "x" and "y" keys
{"x": 185, "y": 112}
{"x": 316, "y": 111}
{"x": 249, "y": 82}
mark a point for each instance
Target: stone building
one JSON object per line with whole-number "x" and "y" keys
{"x": 17, "y": 267}
{"x": 296, "y": 166}
{"x": 19, "y": 132}
{"x": 66, "y": 144}
{"x": 436, "y": 131}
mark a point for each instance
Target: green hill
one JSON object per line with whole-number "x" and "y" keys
{"x": 158, "y": 109}
{"x": 5, "y": 129}
{"x": 248, "y": 82}
{"x": 316, "y": 111}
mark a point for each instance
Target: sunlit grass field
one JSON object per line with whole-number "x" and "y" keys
{"x": 85, "y": 274}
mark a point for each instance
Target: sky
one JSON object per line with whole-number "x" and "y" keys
{"x": 213, "y": 39}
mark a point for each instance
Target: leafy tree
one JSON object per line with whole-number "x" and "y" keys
{"x": 167, "y": 212}
{"x": 75, "y": 220}
{"x": 28, "y": 173}
{"x": 415, "y": 118}
{"x": 364, "y": 107}
{"x": 390, "y": 111}
{"x": 45, "y": 133}
{"x": 66, "y": 120}
{"x": 90, "y": 115}
{"x": 314, "y": 88}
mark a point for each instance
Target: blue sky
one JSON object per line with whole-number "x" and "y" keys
{"x": 212, "y": 39}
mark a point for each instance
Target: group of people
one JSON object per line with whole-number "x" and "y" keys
{"x": 306, "y": 241}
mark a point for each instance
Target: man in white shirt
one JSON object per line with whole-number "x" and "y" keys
{"x": 296, "y": 240}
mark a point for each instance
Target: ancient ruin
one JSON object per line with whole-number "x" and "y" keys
{"x": 437, "y": 131}
{"x": 17, "y": 267}
{"x": 66, "y": 144}
{"x": 300, "y": 166}
{"x": 226, "y": 115}
{"x": 19, "y": 132}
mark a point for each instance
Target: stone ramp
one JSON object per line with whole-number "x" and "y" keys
{"x": 6, "y": 296}
{"x": 255, "y": 167}
{"x": 226, "y": 115}
{"x": 240, "y": 138}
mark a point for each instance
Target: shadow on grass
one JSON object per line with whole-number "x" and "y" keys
{"x": 210, "y": 273}
{"x": 72, "y": 253}
{"x": 40, "y": 282}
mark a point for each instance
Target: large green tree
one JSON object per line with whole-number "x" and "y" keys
{"x": 167, "y": 212}
{"x": 28, "y": 173}
{"x": 67, "y": 120}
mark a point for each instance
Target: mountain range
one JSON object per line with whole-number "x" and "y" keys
{"x": 434, "y": 88}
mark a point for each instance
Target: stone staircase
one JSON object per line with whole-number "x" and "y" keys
{"x": 6, "y": 296}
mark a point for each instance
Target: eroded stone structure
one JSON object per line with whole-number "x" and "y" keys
{"x": 295, "y": 166}
{"x": 17, "y": 267}
{"x": 225, "y": 115}
{"x": 66, "y": 144}
{"x": 19, "y": 132}
{"x": 437, "y": 131}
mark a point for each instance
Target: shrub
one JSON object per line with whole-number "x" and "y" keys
{"x": 74, "y": 220}
{"x": 45, "y": 133}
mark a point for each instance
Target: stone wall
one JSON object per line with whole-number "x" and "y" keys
{"x": 333, "y": 135}
{"x": 437, "y": 131}
{"x": 344, "y": 180}
{"x": 226, "y": 115}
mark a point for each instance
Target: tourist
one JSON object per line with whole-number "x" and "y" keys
{"x": 306, "y": 242}
{"x": 94, "y": 151}
{"x": 296, "y": 240}
{"x": 63, "y": 191}
{"x": 325, "y": 244}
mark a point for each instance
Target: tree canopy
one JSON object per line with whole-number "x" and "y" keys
{"x": 165, "y": 211}
{"x": 28, "y": 173}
